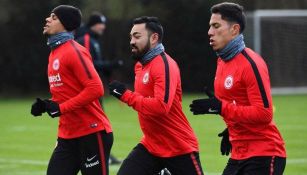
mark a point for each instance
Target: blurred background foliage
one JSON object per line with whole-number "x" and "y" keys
{"x": 24, "y": 54}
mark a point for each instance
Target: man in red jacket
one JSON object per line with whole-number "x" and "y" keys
{"x": 243, "y": 98}
{"x": 168, "y": 140}
{"x": 84, "y": 135}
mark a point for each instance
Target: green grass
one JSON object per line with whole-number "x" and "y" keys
{"x": 26, "y": 142}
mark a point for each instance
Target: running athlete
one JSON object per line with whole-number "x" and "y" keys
{"x": 84, "y": 134}
{"x": 168, "y": 140}
{"x": 243, "y": 98}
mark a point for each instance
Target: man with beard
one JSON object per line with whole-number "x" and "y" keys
{"x": 84, "y": 134}
{"x": 168, "y": 139}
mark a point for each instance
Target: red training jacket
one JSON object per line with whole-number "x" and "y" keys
{"x": 76, "y": 86}
{"x": 243, "y": 86}
{"x": 157, "y": 99}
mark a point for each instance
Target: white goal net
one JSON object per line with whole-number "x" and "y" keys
{"x": 280, "y": 37}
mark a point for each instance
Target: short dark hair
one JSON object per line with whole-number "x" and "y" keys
{"x": 231, "y": 12}
{"x": 152, "y": 24}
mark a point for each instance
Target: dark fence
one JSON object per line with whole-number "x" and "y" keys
{"x": 24, "y": 54}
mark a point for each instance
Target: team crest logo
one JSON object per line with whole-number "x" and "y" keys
{"x": 146, "y": 78}
{"x": 56, "y": 64}
{"x": 228, "y": 82}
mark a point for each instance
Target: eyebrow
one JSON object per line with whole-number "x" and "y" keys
{"x": 213, "y": 23}
{"x": 134, "y": 33}
{"x": 52, "y": 15}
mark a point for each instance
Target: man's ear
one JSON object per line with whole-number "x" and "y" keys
{"x": 154, "y": 38}
{"x": 235, "y": 29}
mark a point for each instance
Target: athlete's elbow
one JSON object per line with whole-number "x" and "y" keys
{"x": 267, "y": 116}
{"x": 100, "y": 91}
{"x": 162, "y": 110}
{"x": 97, "y": 91}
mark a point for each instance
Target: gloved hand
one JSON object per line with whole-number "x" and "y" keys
{"x": 206, "y": 106}
{"x": 225, "y": 143}
{"x": 117, "y": 89}
{"x": 52, "y": 108}
{"x": 210, "y": 105}
{"x": 38, "y": 107}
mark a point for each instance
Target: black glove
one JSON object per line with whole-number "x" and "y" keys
{"x": 225, "y": 143}
{"x": 210, "y": 105}
{"x": 38, "y": 107}
{"x": 52, "y": 108}
{"x": 206, "y": 106}
{"x": 117, "y": 89}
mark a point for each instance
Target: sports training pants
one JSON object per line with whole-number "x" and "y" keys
{"x": 262, "y": 165}
{"x": 141, "y": 162}
{"x": 89, "y": 153}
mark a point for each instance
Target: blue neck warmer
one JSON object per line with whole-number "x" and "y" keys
{"x": 152, "y": 53}
{"x": 234, "y": 47}
{"x": 59, "y": 38}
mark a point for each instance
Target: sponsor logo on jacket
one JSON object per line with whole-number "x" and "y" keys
{"x": 55, "y": 80}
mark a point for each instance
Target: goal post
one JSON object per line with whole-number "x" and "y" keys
{"x": 259, "y": 14}
{"x": 280, "y": 37}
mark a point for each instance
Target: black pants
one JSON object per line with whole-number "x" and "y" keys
{"x": 141, "y": 162}
{"x": 89, "y": 153}
{"x": 262, "y": 165}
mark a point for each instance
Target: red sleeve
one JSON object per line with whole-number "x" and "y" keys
{"x": 84, "y": 71}
{"x": 165, "y": 82}
{"x": 259, "y": 110}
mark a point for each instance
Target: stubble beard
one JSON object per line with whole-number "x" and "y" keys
{"x": 138, "y": 55}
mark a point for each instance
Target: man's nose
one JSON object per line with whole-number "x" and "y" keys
{"x": 210, "y": 32}
{"x": 132, "y": 42}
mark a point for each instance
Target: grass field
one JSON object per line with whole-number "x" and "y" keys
{"x": 26, "y": 142}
